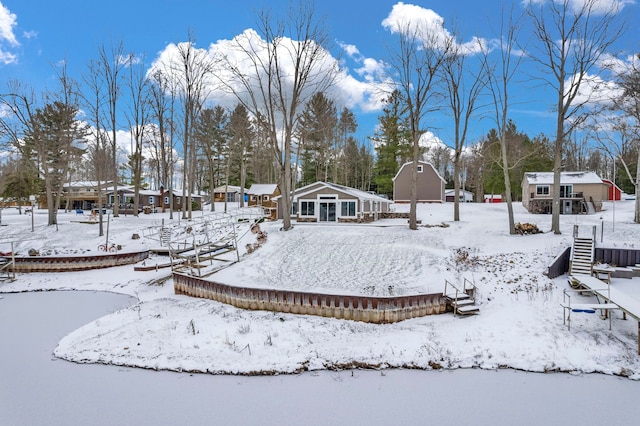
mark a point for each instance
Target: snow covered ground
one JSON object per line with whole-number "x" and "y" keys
{"x": 520, "y": 324}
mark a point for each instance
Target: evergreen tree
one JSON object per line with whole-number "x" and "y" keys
{"x": 241, "y": 136}
{"x": 211, "y": 135}
{"x": 316, "y": 130}
{"x": 50, "y": 144}
{"x": 392, "y": 144}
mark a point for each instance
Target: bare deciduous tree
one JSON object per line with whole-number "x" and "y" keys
{"x": 417, "y": 60}
{"x": 462, "y": 89}
{"x": 93, "y": 100}
{"x": 572, "y": 37}
{"x": 112, "y": 63}
{"x": 274, "y": 73}
{"x": 191, "y": 70}
{"x": 138, "y": 117}
{"x": 499, "y": 77}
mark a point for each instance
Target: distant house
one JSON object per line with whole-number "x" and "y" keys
{"x": 329, "y": 202}
{"x": 580, "y": 192}
{"x": 227, "y": 193}
{"x": 262, "y": 195}
{"x": 430, "y": 184}
{"x": 465, "y": 196}
{"x": 151, "y": 200}
{"x": 81, "y": 195}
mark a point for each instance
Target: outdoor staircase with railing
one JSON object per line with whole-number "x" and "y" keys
{"x": 462, "y": 301}
{"x": 582, "y": 253}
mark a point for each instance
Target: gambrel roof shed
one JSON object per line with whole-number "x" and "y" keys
{"x": 430, "y": 184}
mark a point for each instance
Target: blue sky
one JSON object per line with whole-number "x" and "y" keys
{"x": 34, "y": 34}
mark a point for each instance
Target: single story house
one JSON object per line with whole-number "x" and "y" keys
{"x": 330, "y": 202}
{"x": 430, "y": 184}
{"x": 228, "y": 193}
{"x": 153, "y": 200}
{"x": 464, "y": 196}
{"x": 580, "y": 192}
{"x": 261, "y": 194}
{"x": 81, "y": 195}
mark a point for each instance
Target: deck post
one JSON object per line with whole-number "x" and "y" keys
{"x": 638, "y": 337}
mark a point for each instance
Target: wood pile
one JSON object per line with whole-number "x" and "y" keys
{"x": 527, "y": 229}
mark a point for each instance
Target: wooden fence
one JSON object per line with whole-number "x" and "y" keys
{"x": 75, "y": 263}
{"x": 358, "y": 308}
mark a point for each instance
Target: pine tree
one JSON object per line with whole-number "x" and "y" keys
{"x": 392, "y": 144}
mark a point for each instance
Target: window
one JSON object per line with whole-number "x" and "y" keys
{"x": 542, "y": 190}
{"x": 166, "y": 201}
{"x": 152, "y": 199}
{"x": 348, "y": 208}
{"x": 566, "y": 191}
{"x": 294, "y": 208}
{"x": 265, "y": 198}
{"x": 420, "y": 168}
{"x": 178, "y": 200}
{"x": 252, "y": 197}
{"x": 307, "y": 208}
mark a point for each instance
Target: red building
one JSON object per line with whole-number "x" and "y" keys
{"x": 613, "y": 190}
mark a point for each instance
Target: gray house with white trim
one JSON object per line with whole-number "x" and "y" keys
{"x": 330, "y": 202}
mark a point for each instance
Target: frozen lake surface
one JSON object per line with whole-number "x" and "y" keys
{"x": 39, "y": 389}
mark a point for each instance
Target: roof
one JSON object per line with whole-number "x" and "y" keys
{"x": 263, "y": 188}
{"x": 546, "y": 178}
{"x": 357, "y": 193}
{"x": 227, "y": 188}
{"x": 424, "y": 163}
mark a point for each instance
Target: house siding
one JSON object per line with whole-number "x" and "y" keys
{"x": 587, "y": 192}
{"x": 430, "y": 185}
{"x": 367, "y": 208}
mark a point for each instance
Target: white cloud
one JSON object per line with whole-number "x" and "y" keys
{"x": 350, "y": 49}
{"x": 424, "y": 23}
{"x": 7, "y": 36}
{"x": 598, "y": 7}
{"x": 429, "y": 28}
{"x": 353, "y": 90}
{"x": 30, "y": 34}
{"x": 594, "y": 90}
{"x": 7, "y": 22}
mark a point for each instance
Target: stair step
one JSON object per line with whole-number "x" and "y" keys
{"x": 461, "y": 296}
{"x": 464, "y": 310}
{"x": 464, "y": 302}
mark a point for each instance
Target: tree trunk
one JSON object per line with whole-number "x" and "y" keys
{"x": 636, "y": 216}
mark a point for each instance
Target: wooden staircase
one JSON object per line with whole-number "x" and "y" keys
{"x": 582, "y": 254}
{"x": 462, "y": 301}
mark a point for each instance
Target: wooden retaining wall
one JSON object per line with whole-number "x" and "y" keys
{"x": 560, "y": 264}
{"x": 76, "y": 263}
{"x": 379, "y": 310}
{"x": 614, "y": 256}
{"x": 617, "y": 256}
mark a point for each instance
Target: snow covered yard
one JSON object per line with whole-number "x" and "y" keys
{"x": 520, "y": 324}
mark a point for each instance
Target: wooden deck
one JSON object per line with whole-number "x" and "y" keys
{"x": 612, "y": 297}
